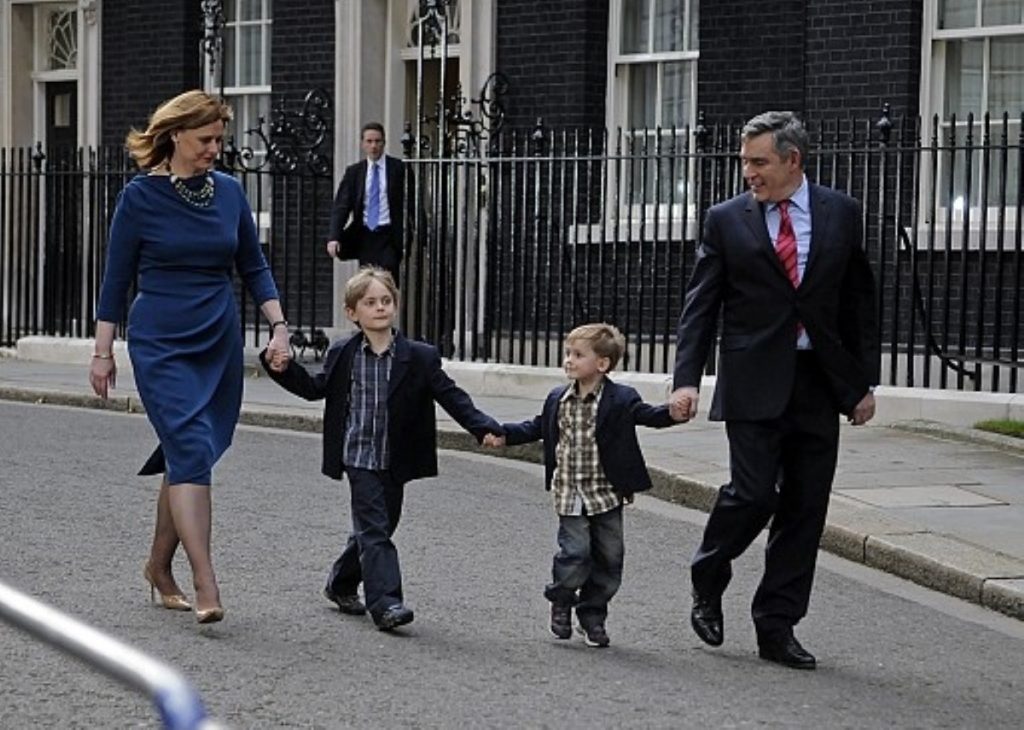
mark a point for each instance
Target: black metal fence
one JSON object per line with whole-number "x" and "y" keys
{"x": 524, "y": 236}
{"x": 515, "y": 239}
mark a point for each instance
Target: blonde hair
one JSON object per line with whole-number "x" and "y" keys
{"x": 355, "y": 288}
{"x": 190, "y": 110}
{"x": 604, "y": 339}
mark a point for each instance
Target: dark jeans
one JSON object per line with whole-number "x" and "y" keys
{"x": 369, "y": 555}
{"x": 781, "y": 471}
{"x": 587, "y": 569}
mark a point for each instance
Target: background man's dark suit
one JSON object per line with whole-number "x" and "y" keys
{"x": 781, "y": 407}
{"x": 382, "y": 247}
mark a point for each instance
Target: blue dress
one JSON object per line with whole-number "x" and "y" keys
{"x": 184, "y": 337}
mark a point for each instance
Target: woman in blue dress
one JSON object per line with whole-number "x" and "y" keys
{"x": 180, "y": 230}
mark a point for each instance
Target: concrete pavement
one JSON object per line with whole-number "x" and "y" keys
{"x": 918, "y": 493}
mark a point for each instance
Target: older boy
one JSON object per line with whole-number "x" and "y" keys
{"x": 380, "y": 430}
{"x": 593, "y": 466}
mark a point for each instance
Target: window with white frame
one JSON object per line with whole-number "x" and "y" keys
{"x": 244, "y": 79}
{"x": 976, "y": 66}
{"x": 654, "y": 66}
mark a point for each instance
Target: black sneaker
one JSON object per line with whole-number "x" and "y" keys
{"x": 393, "y": 617}
{"x": 347, "y": 604}
{"x": 594, "y": 635}
{"x": 561, "y": 621}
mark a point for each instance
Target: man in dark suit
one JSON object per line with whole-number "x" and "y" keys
{"x": 367, "y": 217}
{"x": 783, "y": 265}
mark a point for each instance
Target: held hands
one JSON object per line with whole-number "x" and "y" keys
{"x": 279, "y": 351}
{"x": 493, "y": 441}
{"x": 102, "y": 375}
{"x": 682, "y": 403}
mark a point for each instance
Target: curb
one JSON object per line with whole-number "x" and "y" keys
{"x": 965, "y": 435}
{"x": 859, "y": 534}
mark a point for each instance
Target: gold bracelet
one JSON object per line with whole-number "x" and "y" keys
{"x": 108, "y": 356}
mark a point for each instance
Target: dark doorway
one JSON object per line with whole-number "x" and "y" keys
{"x": 61, "y": 113}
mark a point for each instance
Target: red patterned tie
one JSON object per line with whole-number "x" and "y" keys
{"x": 785, "y": 244}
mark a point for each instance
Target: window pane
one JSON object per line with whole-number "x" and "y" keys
{"x": 675, "y": 93}
{"x": 230, "y": 66}
{"x": 267, "y": 35}
{"x": 250, "y": 59}
{"x": 1006, "y": 83}
{"x": 963, "y": 78}
{"x": 1002, "y": 12}
{"x": 694, "y": 23}
{"x": 636, "y": 15}
{"x": 230, "y": 10}
{"x": 957, "y": 13}
{"x": 643, "y": 96}
{"x": 669, "y": 25}
{"x": 251, "y": 9}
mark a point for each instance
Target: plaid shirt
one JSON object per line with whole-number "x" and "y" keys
{"x": 366, "y": 433}
{"x": 579, "y": 483}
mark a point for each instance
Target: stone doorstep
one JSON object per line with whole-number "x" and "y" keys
{"x": 897, "y": 547}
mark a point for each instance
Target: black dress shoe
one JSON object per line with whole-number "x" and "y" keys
{"x": 706, "y": 619}
{"x": 393, "y": 617}
{"x": 347, "y": 604}
{"x": 784, "y": 649}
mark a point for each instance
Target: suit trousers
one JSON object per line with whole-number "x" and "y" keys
{"x": 587, "y": 570}
{"x": 369, "y": 555}
{"x": 377, "y": 249}
{"x": 781, "y": 470}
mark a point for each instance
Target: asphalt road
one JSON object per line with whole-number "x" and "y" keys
{"x": 476, "y": 545}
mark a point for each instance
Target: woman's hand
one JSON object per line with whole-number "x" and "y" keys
{"x": 102, "y": 375}
{"x": 279, "y": 350}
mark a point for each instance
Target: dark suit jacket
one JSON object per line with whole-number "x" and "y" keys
{"x": 350, "y": 202}
{"x": 739, "y": 275}
{"x": 417, "y": 380}
{"x": 618, "y": 413}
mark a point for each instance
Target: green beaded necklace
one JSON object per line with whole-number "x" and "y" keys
{"x": 201, "y": 198}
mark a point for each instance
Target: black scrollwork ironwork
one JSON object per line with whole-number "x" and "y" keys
{"x": 290, "y": 139}
{"x": 212, "y": 26}
{"x": 469, "y": 131}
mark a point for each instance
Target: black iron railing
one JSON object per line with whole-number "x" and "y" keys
{"x": 516, "y": 238}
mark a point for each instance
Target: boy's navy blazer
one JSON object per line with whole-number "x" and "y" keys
{"x": 619, "y": 412}
{"x": 416, "y": 381}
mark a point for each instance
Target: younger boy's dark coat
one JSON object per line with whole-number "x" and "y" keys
{"x": 416, "y": 381}
{"x": 619, "y": 412}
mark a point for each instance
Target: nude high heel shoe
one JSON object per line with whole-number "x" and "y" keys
{"x": 171, "y": 601}
{"x": 209, "y": 615}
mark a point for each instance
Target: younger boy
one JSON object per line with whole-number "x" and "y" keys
{"x": 380, "y": 430}
{"x": 593, "y": 465}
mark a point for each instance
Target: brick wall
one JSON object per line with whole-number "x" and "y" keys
{"x": 860, "y": 55}
{"x": 825, "y": 59}
{"x": 554, "y": 54}
{"x": 751, "y": 58}
{"x": 149, "y": 55}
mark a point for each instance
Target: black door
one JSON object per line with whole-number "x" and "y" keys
{"x": 63, "y": 257}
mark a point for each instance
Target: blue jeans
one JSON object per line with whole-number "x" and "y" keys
{"x": 587, "y": 569}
